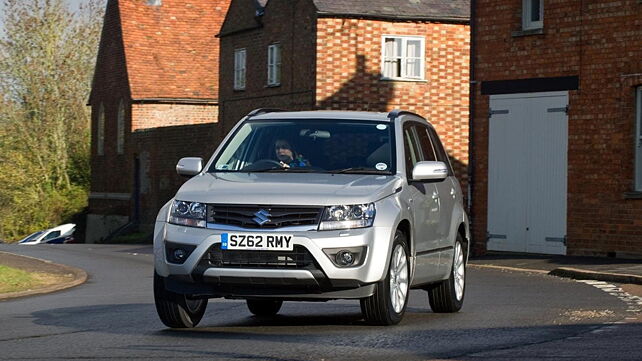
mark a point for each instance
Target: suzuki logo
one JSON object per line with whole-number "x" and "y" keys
{"x": 262, "y": 217}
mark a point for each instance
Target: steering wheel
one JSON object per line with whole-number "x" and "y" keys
{"x": 262, "y": 164}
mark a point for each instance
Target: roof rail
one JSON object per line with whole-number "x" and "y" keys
{"x": 398, "y": 112}
{"x": 263, "y": 111}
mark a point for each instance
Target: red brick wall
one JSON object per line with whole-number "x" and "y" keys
{"x": 145, "y": 116}
{"x": 601, "y": 43}
{"x": 158, "y": 151}
{"x": 291, "y": 24}
{"x": 349, "y": 68}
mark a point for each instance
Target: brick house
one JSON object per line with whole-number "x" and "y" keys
{"x": 154, "y": 99}
{"x": 557, "y": 127}
{"x": 373, "y": 55}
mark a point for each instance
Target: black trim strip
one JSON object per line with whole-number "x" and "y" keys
{"x": 533, "y": 85}
{"x": 399, "y": 18}
{"x": 433, "y": 251}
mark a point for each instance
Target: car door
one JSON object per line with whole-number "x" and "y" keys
{"x": 447, "y": 198}
{"x": 425, "y": 210}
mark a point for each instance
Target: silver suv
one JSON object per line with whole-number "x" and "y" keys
{"x": 314, "y": 206}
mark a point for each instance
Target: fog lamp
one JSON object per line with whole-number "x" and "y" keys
{"x": 180, "y": 254}
{"x": 345, "y": 258}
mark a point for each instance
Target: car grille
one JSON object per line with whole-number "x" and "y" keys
{"x": 246, "y": 216}
{"x": 298, "y": 258}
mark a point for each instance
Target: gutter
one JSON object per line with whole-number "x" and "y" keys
{"x": 445, "y": 19}
{"x": 192, "y": 101}
{"x": 471, "y": 116}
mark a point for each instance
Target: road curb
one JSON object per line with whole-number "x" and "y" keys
{"x": 79, "y": 277}
{"x": 573, "y": 273}
{"x": 580, "y": 274}
{"x": 507, "y": 268}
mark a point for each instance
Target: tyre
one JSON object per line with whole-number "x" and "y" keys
{"x": 448, "y": 295}
{"x": 388, "y": 303}
{"x": 264, "y": 308}
{"x": 176, "y": 310}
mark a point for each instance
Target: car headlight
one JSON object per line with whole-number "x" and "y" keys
{"x": 346, "y": 217}
{"x": 191, "y": 214}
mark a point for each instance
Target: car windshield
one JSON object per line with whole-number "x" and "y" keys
{"x": 31, "y": 237}
{"x": 309, "y": 146}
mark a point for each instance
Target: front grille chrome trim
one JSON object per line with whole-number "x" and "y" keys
{"x": 227, "y": 227}
{"x": 267, "y": 273}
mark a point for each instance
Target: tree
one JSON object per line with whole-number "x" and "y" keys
{"x": 47, "y": 57}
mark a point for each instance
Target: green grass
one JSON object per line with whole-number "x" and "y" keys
{"x": 13, "y": 280}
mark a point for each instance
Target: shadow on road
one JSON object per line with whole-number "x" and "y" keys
{"x": 327, "y": 327}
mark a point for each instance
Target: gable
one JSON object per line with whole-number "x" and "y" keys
{"x": 243, "y": 15}
{"x": 110, "y": 73}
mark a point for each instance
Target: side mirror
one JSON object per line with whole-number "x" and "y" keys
{"x": 437, "y": 171}
{"x": 189, "y": 166}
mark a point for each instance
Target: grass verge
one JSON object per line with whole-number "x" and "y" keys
{"x": 15, "y": 280}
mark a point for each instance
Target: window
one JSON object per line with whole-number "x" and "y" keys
{"x": 442, "y": 156}
{"x": 120, "y": 141}
{"x": 638, "y": 141}
{"x": 427, "y": 149}
{"x": 411, "y": 148}
{"x": 274, "y": 64}
{"x": 52, "y": 235}
{"x": 532, "y": 14}
{"x": 403, "y": 57}
{"x": 309, "y": 145}
{"x": 100, "y": 133}
{"x": 239, "y": 69}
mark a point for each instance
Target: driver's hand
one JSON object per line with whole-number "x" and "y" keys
{"x": 284, "y": 165}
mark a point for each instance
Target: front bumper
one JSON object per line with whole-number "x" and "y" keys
{"x": 322, "y": 280}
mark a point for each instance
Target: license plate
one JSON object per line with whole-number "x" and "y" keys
{"x": 256, "y": 242}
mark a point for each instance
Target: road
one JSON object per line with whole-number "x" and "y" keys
{"x": 506, "y": 316}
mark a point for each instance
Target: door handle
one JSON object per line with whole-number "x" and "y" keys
{"x": 435, "y": 195}
{"x": 452, "y": 192}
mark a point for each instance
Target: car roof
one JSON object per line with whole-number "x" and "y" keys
{"x": 323, "y": 114}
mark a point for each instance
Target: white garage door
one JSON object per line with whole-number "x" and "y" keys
{"x": 527, "y": 173}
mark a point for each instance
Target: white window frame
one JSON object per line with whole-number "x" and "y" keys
{"x": 100, "y": 132}
{"x": 240, "y": 68}
{"x": 403, "y": 58}
{"x": 120, "y": 137}
{"x": 527, "y": 23}
{"x": 274, "y": 65}
{"x": 638, "y": 139}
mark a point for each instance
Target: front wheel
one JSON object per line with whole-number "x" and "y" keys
{"x": 448, "y": 295}
{"x": 388, "y": 303}
{"x": 176, "y": 310}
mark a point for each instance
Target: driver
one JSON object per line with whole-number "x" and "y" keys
{"x": 288, "y": 157}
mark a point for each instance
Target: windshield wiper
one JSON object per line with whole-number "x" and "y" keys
{"x": 357, "y": 170}
{"x": 280, "y": 170}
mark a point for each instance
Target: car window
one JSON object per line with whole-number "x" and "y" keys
{"x": 411, "y": 148}
{"x": 442, "y": 156}
{"x": 427, "y": 148}
{"x": 31, "y": 237}
{"x": 309, "y": 145}
{"x": 51, "y": 235}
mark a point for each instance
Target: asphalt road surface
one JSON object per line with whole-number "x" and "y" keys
{"x": 506, "y": 316}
